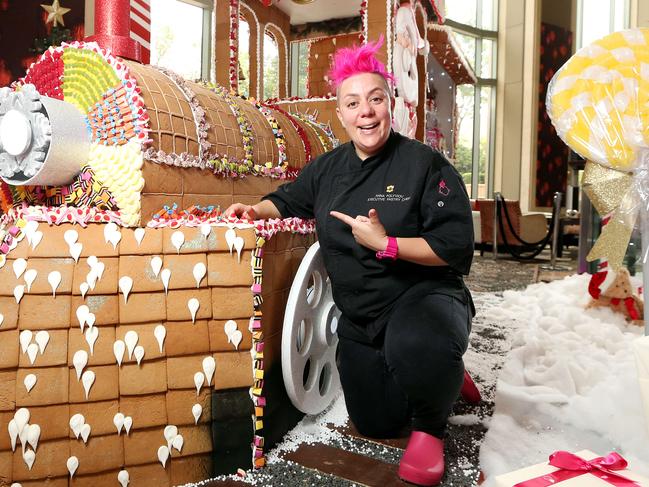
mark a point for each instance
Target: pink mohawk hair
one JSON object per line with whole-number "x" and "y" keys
{"x": 349, "y": 61}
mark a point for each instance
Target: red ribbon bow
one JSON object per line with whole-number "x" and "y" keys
{"x": 570, "y": 465}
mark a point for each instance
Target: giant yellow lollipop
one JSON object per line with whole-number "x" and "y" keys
{"x": 599, "y": 104}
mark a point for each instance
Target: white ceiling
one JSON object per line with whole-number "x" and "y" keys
{"x": 319, "y": 10}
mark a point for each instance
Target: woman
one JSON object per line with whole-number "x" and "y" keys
{"x": 395, "y": 229}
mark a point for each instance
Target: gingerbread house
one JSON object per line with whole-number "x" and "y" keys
{"x": 138, "y": 324}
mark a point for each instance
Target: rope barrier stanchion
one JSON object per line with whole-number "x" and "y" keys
{"x": 555, "y": 234}
{"x": 495, "y": 224}
{"x": 556, "y": 216}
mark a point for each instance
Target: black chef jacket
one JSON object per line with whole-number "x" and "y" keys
{"x": 417, "y": 193}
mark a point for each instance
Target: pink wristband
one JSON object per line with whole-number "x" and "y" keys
{"x": 390, "y": 252}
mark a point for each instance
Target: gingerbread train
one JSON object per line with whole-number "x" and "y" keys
{"x": 137, "y": 323}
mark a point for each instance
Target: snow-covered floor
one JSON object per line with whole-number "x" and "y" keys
{"x": 562, "y": 377}
{"x": 569, "y": 382}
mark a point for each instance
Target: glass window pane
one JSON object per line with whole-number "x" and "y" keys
{"x": 487, "y": 59}
{"x": 244, "y": 58}
{"x": 485, "y": 140}
{"x": 303, "y": 69}
{"x": 271, "y": 68}
{"x": 212, "y": 76}
{"x": 464, "y": 148}
{"x": 462, "y": 11}
{"x": 177, "y": 37}
{"x": 489, "y": 14}
{"x": 595, "y": 22}
{"x": 467, "y": 44}
{"x": 619, "y": 21}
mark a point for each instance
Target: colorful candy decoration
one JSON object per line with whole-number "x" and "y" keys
{"x": 101, "y": 88}
{"x": 257, "y": 352}
{"x": 599, "y": 103}
{"x": 329, "y": 142}
{"x": 245, "y": 127}
{"x": 298, "y": 128}
{"x": 277, "y": 131}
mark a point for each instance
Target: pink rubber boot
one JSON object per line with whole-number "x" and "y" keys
{"x": 423, "y": 460}
{"x": 469, "y": 391}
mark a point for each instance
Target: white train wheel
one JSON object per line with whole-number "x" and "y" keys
{"x": 309, "y": 339}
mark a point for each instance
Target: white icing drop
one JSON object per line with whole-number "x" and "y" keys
{"x": 131, "y": 339}
{"x": 80, "y": 360}
{"x": 160, "y": 332}
{"x": 209, "y": 366}
{"x": 42, "y": 338}
{"x": 125, "y": 285}
{"x": 199, "y": 273}
{"x": 19, "y": 267}
{"x": 54, "y": 278}
{"x": 177, "y": 240}
{"x": 197, "y": 410}
{"x": 30, "y": 382}
{"x": 91, "y": 337}
{"x": 30, "y": 276}
{"x": 119, "y": 347}
{"x": 199, "y": 378}
{"x": 72, "y": 464}
{"x": 193, "y": 305}
{"x": 139, "y": 233}
{"x": 87, "y": 379}
{"x": 163, "y": 455}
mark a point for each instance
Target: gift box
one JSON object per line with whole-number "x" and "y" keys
{"x": 582, "y": 469}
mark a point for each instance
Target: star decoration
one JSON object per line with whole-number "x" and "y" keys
{"x": 55, "y": 13}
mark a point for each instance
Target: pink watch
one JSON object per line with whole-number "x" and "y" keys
{"x": 390, "y": 253}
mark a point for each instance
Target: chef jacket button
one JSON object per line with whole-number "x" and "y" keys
{"x": 440, "y": 203}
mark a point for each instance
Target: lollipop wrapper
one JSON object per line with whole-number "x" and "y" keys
{"x": 599, "y": 104}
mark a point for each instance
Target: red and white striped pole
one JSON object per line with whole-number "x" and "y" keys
{"x": 124, "y": 27}
{"x": 140, "y": 14}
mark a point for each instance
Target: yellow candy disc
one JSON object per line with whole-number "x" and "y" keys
{"x": 599, "y": 100}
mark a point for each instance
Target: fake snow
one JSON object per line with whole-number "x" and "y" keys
{"x": 569, "y": 383}
{"x": 562, "y": 377}
{"x": 313, "y": 429}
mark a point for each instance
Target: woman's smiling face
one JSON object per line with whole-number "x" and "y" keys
{"x": 365, "y": 110}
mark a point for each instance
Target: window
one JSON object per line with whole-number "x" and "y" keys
{"x": 596, "y": 18}
{"x": 299, "y": 68}
{"x": 474, "y": 23}
{"x": 244, "y": 58}
{"x": 181, "y": 32}
{"x": 480, "y": 14}
{"x": 271, "y": 67}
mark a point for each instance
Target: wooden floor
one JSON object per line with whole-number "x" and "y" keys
{"x": 355, "y": 468}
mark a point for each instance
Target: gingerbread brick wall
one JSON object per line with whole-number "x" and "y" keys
{"x": 173, "y": 128}
{"x": 321, "y": 53}
{"x": 166, "y": 185}
{"x": 160, "y": 391}
{"x": 282, "y": 256}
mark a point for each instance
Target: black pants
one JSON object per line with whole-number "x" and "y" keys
{"x": 412, "y": 374}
